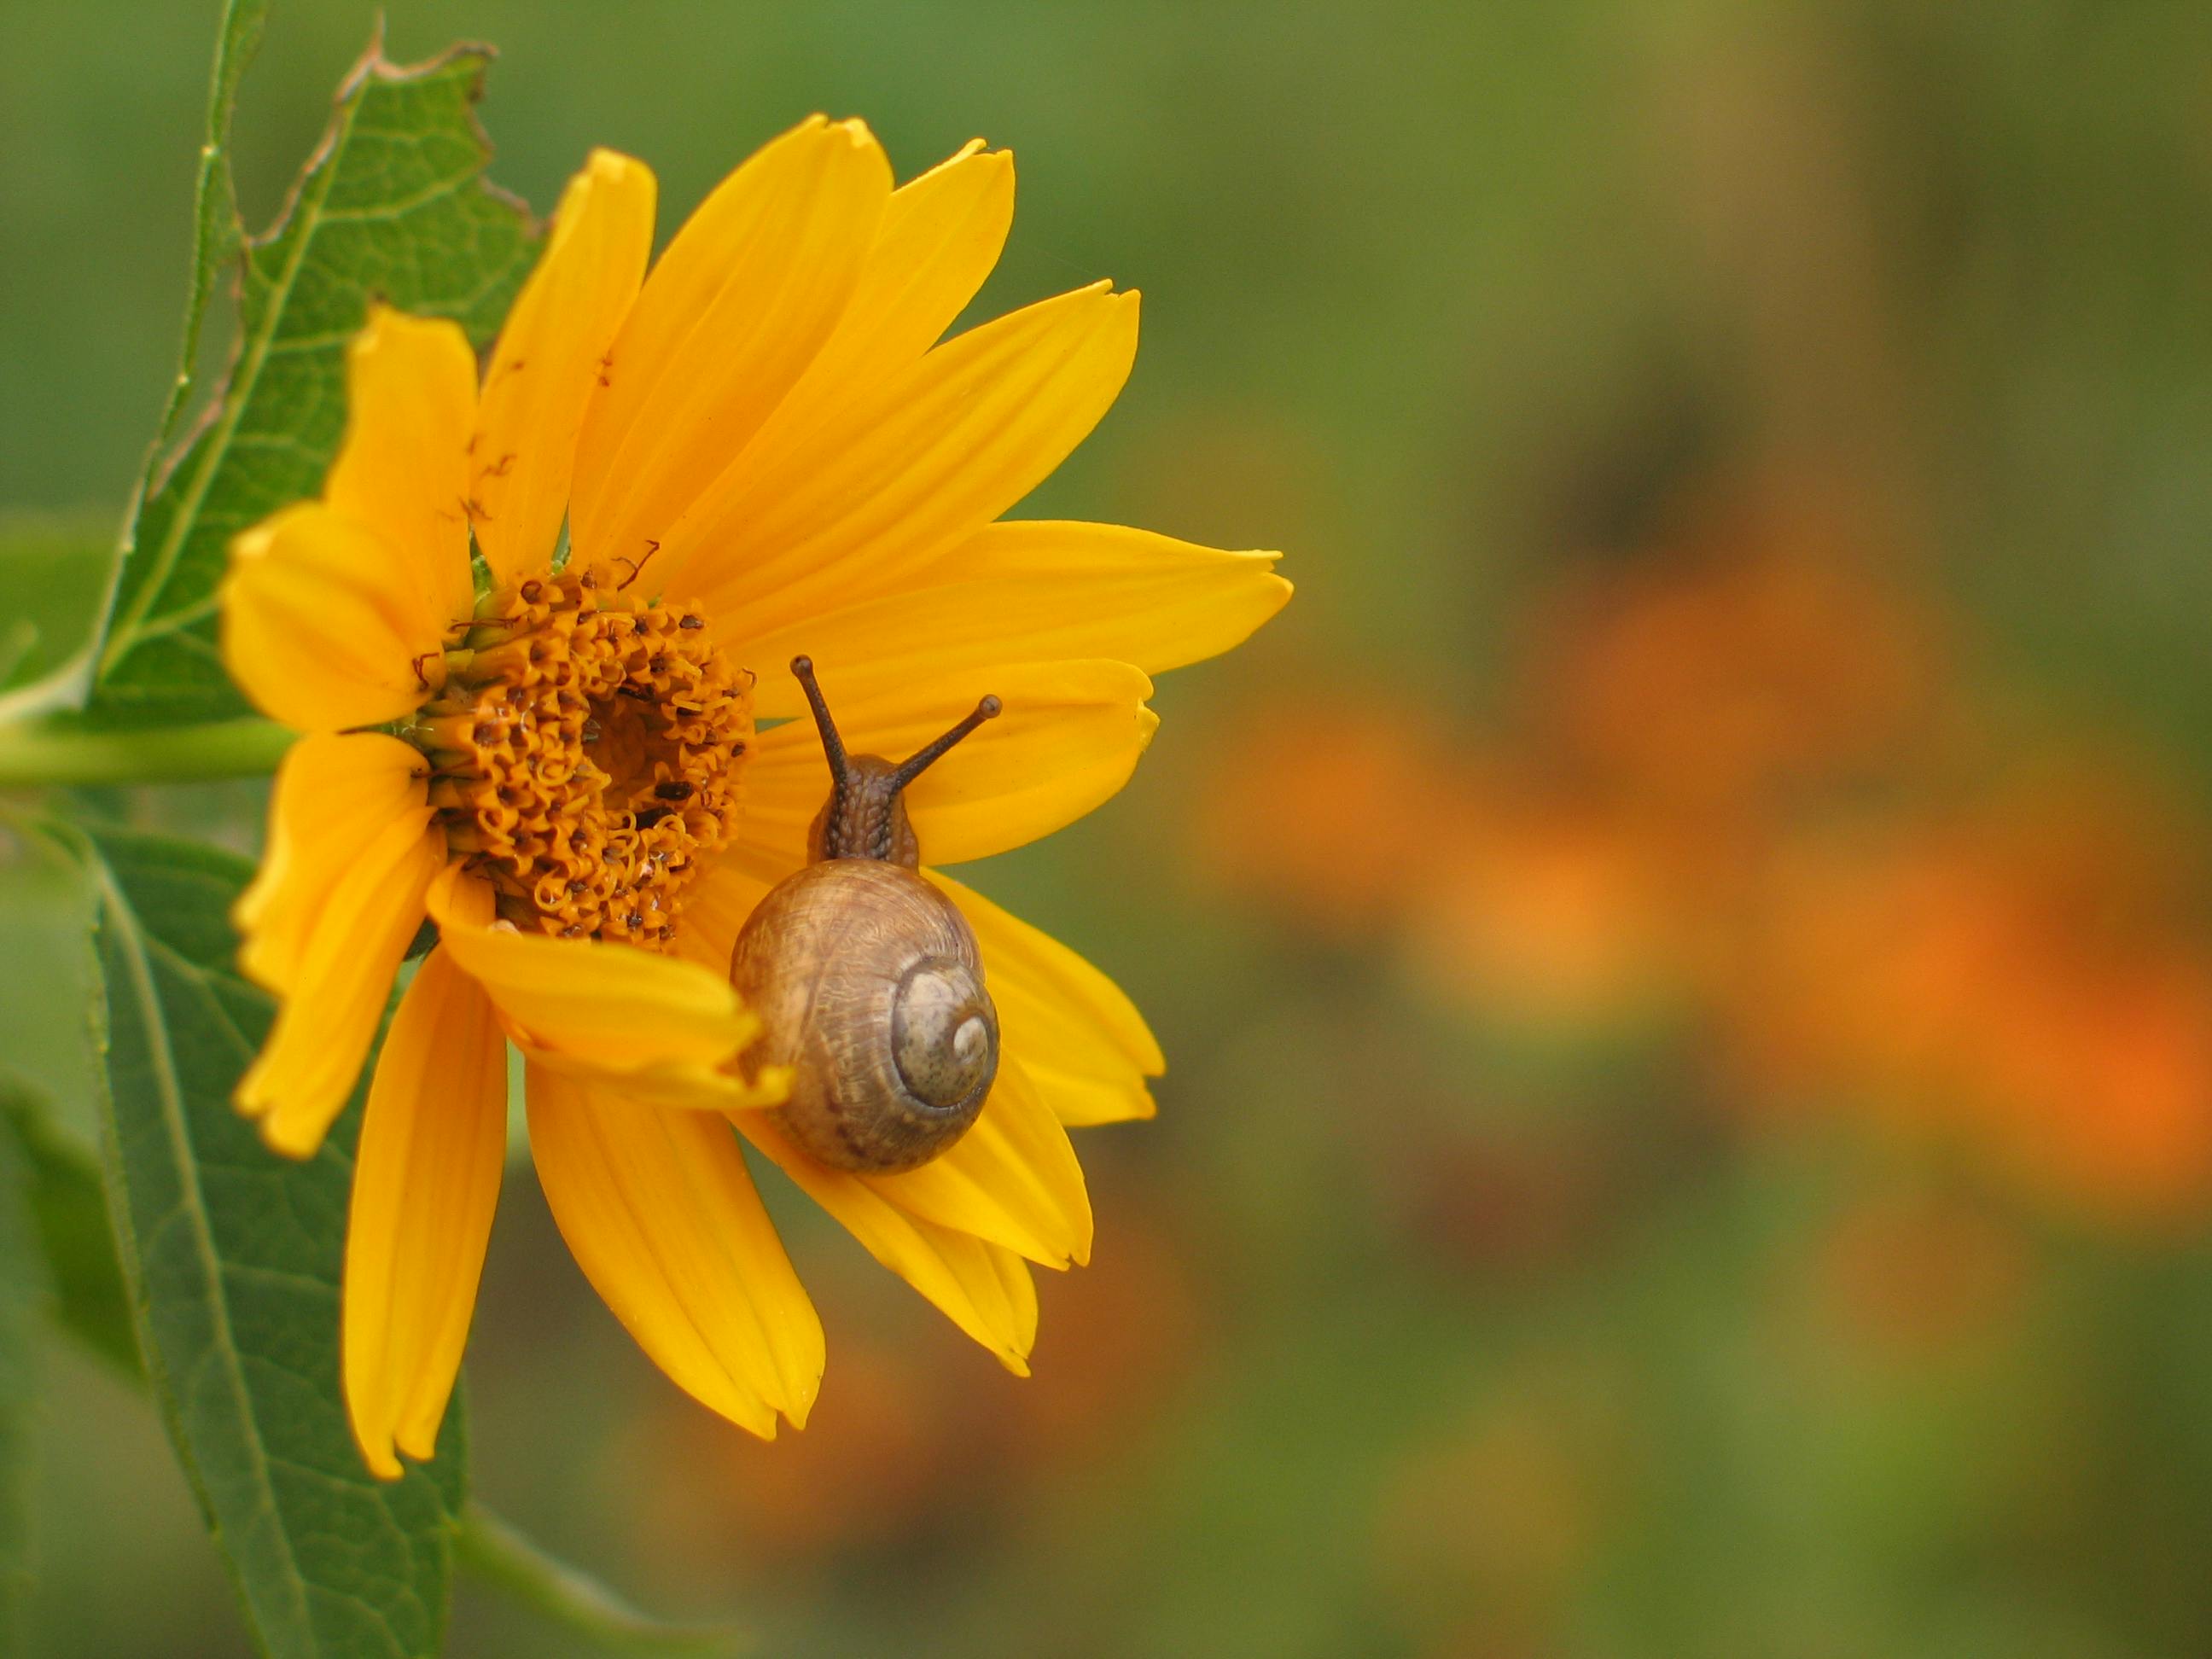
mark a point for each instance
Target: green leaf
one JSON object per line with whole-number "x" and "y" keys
{"x": 68, "y": 1215}
{"x": 393, "y": 206}
{"x": 231, "y": 1255}
{"x": 20, "y": 1282}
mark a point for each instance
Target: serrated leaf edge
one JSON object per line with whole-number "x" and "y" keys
{"x": 139, "y": 623}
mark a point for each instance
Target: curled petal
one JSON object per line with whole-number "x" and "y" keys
{"x": 675, "y": 1085}
{"x": 324, "y": 625}
{"x": 403, "y": 468}
{"x": 426, "y": 1181}
{"x": 334, "y": 796}
{"x": 652, "y": 1026}
{"x": 660, "y": 1212}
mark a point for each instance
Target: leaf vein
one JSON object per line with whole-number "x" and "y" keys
{"x": 132, "y": 943}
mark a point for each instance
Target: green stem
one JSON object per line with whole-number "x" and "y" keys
{"x": 495, "y": 1551}
{"x": 58, "y": 751}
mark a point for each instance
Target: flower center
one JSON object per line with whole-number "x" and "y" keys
{"x": 587, "y": 752}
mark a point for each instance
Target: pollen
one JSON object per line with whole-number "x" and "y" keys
{"x": 586, "y": 752}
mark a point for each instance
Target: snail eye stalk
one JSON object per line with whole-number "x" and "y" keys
{"x": 833, "y": 747}
{"x": 865, "y": 816}
{"x": 926, "y": 756}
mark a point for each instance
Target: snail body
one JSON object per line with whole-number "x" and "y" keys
{"x": 867, "y": 979}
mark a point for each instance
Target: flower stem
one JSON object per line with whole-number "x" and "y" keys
{"x": 61, "y": 750}
{"x": 498, "y": 1554}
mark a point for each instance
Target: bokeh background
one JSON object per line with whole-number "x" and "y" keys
{"x": 1685, "y": 953}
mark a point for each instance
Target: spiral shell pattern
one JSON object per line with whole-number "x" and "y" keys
{"x": 869, "y": 986}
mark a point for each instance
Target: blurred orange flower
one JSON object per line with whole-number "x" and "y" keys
{"x": 1743, "y": 795}
{"x": 1544, "y": 909}
{"x": 2026, "y": 979}
{"x": 1725, "y": 672}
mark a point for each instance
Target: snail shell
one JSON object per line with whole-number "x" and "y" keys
{"x": 869, "y": 986}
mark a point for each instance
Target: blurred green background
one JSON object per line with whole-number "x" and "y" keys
{"x": 1685, "y": 954}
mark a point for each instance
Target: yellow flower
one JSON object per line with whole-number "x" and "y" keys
{"x": 760, "y": 448}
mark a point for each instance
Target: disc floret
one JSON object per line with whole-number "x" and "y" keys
{"x": 586, "y": 751}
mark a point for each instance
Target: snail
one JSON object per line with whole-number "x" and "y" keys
{"x": 867, "y": 978}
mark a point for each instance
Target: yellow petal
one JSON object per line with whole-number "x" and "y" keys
{"x": 426, "y": 1181}
{"x": 907, "y": 467}
{"x": 651, "y": 1025}
{"x": 983, "y": 1288}
{"x": 328, "y": 921}
{"x": 1019, "y": 1287}
{"x": 403, "y": 468}
{"x": 728, "y": 319}
{"x": 1079, "y": 1038}
{"x": 674, "y": 1085}
{"x": 547, "y": 361}
{"x": 939, "y": 237}
{"x": 334, "y": 797}
{"x": 324, "y": 626}
{"x": 1082, "y": 1099}
{"x": 1070, "y": 736}
{"x": 1012, "y": 1179}
{"x": 1028, "y": 592}
{"x": 660, "y": 1212}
